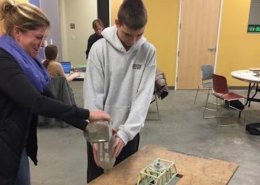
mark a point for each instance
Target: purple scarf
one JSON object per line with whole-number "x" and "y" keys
{"x": 32, "y": 68}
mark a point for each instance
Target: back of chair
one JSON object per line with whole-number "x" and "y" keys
{"x": 206, "y": 71}
{"x": 61, "y": 89}
{"x": 219, "y": 84}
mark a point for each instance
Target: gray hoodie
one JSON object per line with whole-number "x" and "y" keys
{"x": 120, "y": 82}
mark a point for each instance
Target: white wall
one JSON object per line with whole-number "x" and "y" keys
{"x": 51, "y": 8}
{"x": 74, "y": 41}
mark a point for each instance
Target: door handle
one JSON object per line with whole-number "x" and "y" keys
{"x": 212, "y": 49}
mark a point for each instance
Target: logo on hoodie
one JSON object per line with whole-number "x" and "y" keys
{"x": 137, "y": 66}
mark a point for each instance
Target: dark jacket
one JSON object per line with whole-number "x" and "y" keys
{"x": 91, "y": 40}
{"x": 161, "y": 87}
{"x": 62, "y": 91}
{"x": 20, "y": 103}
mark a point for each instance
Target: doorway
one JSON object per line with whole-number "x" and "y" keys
{"x": 198, "y": 37}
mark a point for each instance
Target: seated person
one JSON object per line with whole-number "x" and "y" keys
{"x": 58, "y": 84}
{"x": 53, "y": 66}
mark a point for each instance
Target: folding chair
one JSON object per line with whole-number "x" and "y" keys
{"x": 220, "y": 91}
{"x": 206, "y": 79}
{"x": 155, "y": 98}
{"x": 160, "y": 90}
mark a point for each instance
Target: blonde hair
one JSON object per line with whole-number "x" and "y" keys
{"x": 24, "y": 16}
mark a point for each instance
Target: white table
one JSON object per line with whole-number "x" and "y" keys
{"x": 253, "y": 78}
{"x": 79, "y": 78}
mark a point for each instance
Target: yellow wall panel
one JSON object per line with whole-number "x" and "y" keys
{"x": 115, "y": 4}
{"x": 161, "y": 31}
{"x": 237, "y": 48}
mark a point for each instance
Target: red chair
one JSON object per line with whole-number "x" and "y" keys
{"x": 220, "y": 90}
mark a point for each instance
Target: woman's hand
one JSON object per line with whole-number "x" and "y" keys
{"x": 99, "y": 116}
{"x": 72, "y": 76}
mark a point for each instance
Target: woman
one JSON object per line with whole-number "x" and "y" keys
{"x": 54, "y": 68}
{"x": 24, "y": 94}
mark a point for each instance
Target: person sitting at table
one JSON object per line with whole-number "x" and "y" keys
{"x": 58, "y": 85}
{"x": 53, "y": 66}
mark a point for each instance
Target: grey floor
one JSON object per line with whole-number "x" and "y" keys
{"x": 181, "y": 128}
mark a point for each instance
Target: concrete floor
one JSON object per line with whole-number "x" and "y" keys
{"x": 181, "y": 128}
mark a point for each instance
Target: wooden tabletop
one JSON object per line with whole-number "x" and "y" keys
{"x": 194, "y": 170}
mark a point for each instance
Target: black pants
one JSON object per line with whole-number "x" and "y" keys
{"x": 93, "y": 171}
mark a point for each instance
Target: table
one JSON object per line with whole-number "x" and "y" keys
{"x": 194, "y": 170}
{"x": 81, "y": 77}
{"x": 253, "y": 78}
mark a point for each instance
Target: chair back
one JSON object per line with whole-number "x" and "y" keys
{"x": 61, "y": 90}
{"x": 219, "y": 84}
{"x": 206, "y": 72}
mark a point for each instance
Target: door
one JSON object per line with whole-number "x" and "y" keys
{"x": 198, "y": 33}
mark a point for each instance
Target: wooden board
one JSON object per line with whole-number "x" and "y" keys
{"x": 195, "y": 170}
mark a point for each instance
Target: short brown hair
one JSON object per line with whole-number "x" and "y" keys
{"x": 133, "y": 14}
{"x": 97, "y": 22}
{"x": 51, "y": 52}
